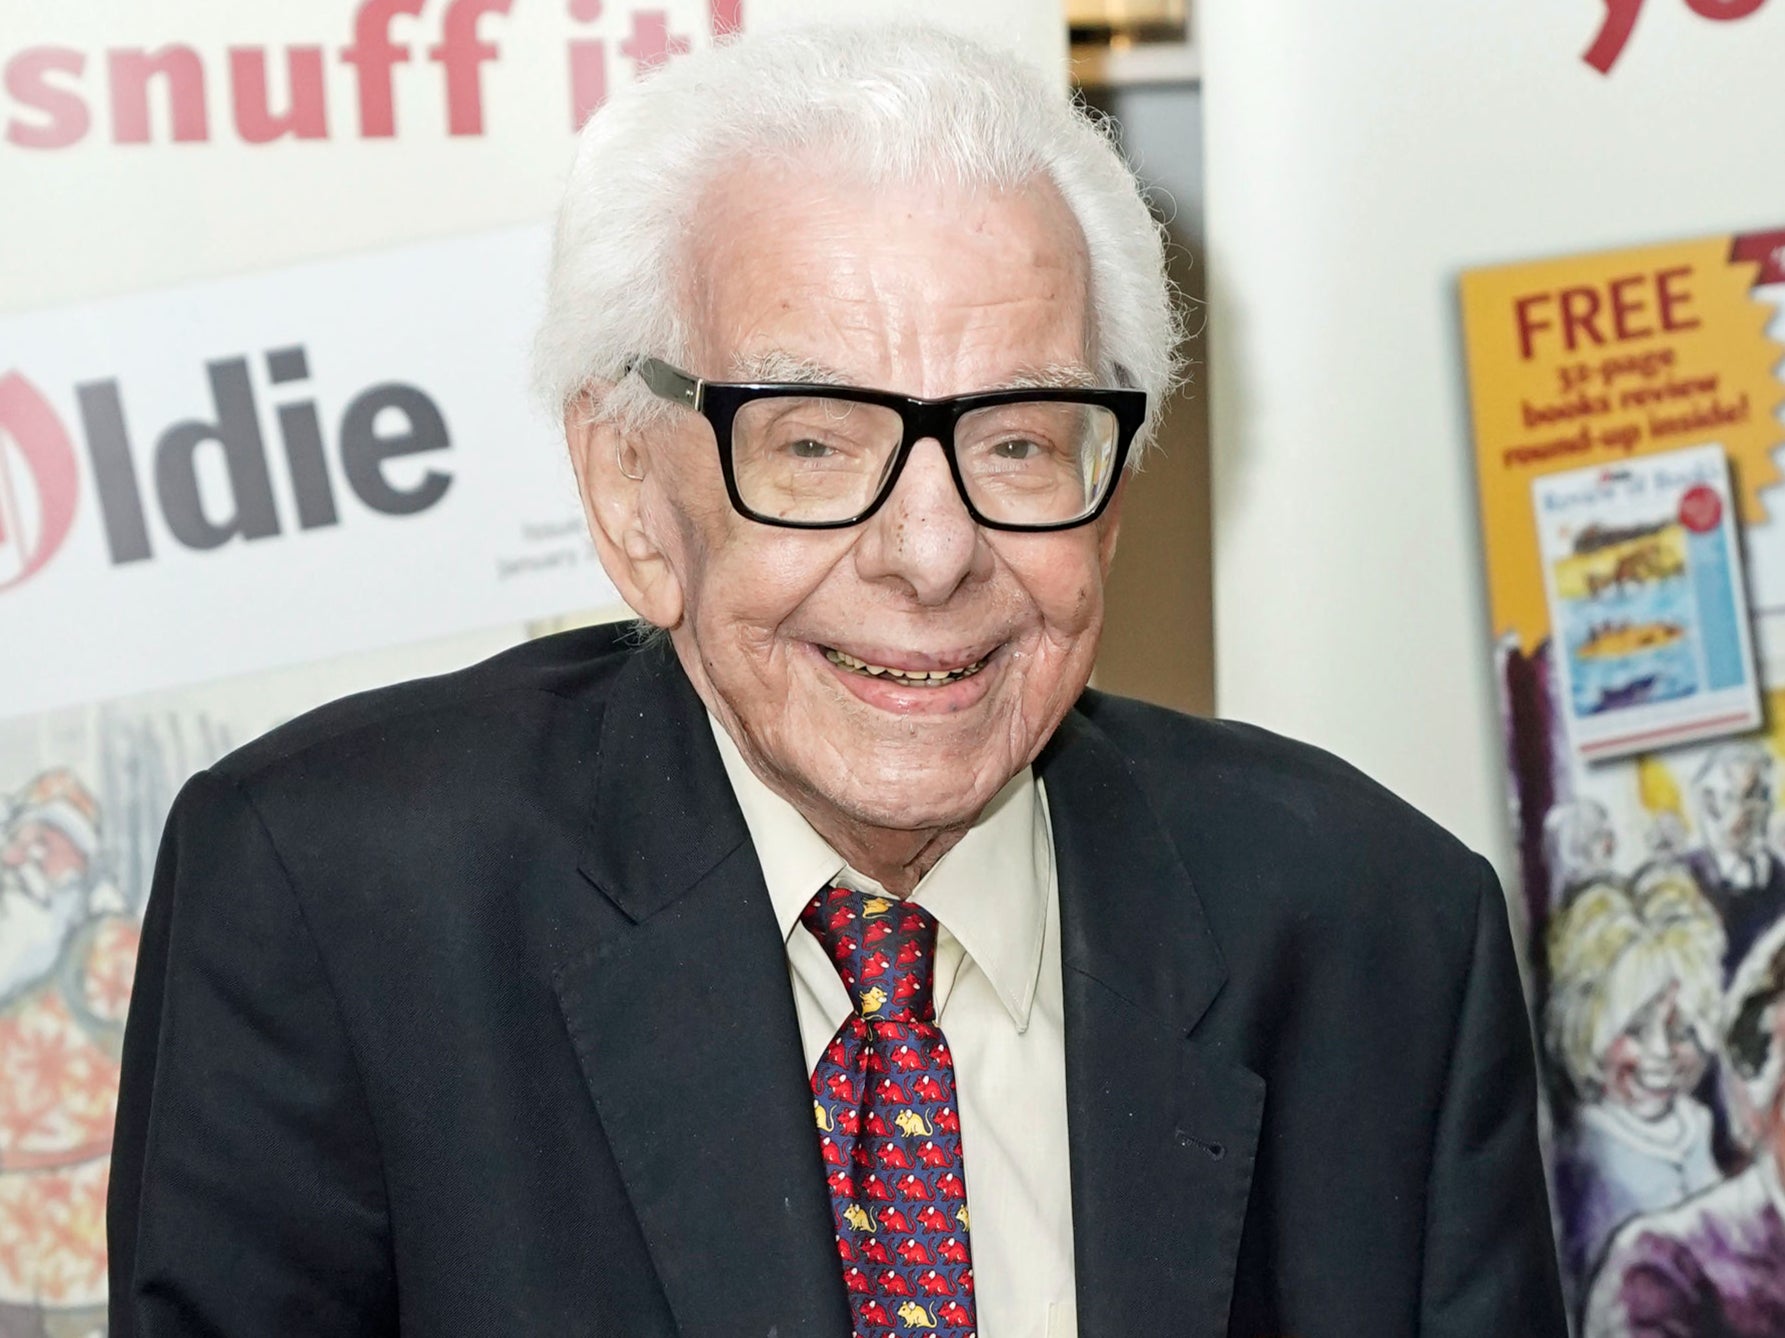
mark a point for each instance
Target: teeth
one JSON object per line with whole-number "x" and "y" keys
{"x": 928, "y": 678}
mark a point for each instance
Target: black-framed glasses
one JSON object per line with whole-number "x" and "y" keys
{"x": 822, "y": 457}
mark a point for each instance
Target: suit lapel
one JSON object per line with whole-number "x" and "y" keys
{"x": 684, "y": 1024}
{"x": 1162, "y": 1131}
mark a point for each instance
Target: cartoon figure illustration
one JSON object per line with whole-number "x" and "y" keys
{"x": 932, "y": 1283}
{"x": 953, "y": 1313}
{"x": 67, "y": 954}
{"x": 911, "y": 1124}
{"x": 1665, "y": 831}
{"x": 1631, "y": 1019}
{"x": 911, "y": 1188}
{"x": 1579, "y": 845}
{"x": 914, "y": 1252}
{"x": 1733, "y": 794}
{"x": 1716, "y": 1263}
{"x": 915, "y": 1316}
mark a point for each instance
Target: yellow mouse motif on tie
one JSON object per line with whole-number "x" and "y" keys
{"x": 822, "y": 1116}
{"x": 912, "y": 1125}
{"x": 873, "y": 1000}
{"x": 961, "y": 1213}
{"x": 858, "y": 1218}
{"x": 916, "y": 1316}
{"x": 876, "y": 906}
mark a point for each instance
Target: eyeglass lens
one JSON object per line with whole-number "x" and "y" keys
{"x": 817, "y": 459}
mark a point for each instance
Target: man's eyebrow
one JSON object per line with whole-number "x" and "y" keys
{"x": 787, "y": 367}
{"x": 1055, "y": 376}
{"x": 776, "y": 365}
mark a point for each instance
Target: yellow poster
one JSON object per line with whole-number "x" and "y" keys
{"x": 1626, "y": 410}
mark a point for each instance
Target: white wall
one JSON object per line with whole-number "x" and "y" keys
{"x": 1359, "y": 157}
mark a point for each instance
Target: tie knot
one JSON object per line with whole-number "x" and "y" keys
{"x": 883, "y": 948}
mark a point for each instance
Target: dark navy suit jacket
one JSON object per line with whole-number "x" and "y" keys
{"x": 462, "y": 1010}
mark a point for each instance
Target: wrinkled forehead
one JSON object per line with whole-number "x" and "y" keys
{"x": 801, "y": 269}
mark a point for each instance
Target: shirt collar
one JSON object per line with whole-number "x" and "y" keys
{"x": 990, "y": 891}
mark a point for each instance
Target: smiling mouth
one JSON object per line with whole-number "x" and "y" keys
{"x": 912, "y": 678}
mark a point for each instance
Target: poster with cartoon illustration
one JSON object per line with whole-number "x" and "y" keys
{"x": 83, "y": 796}
{"x": 1647, "y": 602}
{"x": 1626, "y": 412}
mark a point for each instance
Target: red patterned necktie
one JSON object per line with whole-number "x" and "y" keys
{"x": 889, "y": 1125}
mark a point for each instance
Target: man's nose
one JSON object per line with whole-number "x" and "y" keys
{"x": 923, "y": 535}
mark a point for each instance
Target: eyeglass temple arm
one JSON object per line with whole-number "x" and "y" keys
{"x": 668, "y": 383}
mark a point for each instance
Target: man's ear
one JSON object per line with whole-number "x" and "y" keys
{"x": 1109, "y": 525}
{"x": 613, "y": 477}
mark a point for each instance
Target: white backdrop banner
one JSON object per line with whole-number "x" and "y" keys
{"x": 288, "y": 466}
{"x": 1360, "y": 158}
{"x": 268, "y": 277}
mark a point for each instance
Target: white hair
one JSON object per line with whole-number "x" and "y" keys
{"x": 897, "y": 104}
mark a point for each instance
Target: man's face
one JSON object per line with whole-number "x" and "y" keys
{"x": 927, "y": 292}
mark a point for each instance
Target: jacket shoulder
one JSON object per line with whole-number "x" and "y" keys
{"x": 1249, "y": 764}
{"x": 1287, "y": 815}
{"x": 572, "y": 667}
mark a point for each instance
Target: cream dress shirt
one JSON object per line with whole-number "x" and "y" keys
{"x": 998, "y": 1001}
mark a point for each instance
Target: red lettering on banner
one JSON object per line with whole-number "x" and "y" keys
{"x": 588, "y": 66}
{"x": 1767, "y": 249}
{"x": 44, "y": 447}
{"x": 184, "y": 74}
{"x": 1671, "y": 299}
{"x": 728, "y": 17}
{"x": 53, "y": 107}
{"x": 1584, "y": 311}
{"x": 1620, "y": 22}
{"x": 372, "y": 57}
{"x": 651, "y": 44}
{"x": 461, "y": 54}
{"x": 306, "y": 114}
{"x": 28, "y": 82}
{"x": 1724, "y": 10}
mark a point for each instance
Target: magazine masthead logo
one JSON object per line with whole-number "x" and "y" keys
{"x": 208, "y": 480}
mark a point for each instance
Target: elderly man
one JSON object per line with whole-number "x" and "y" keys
{"x": 831, "y": 959}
